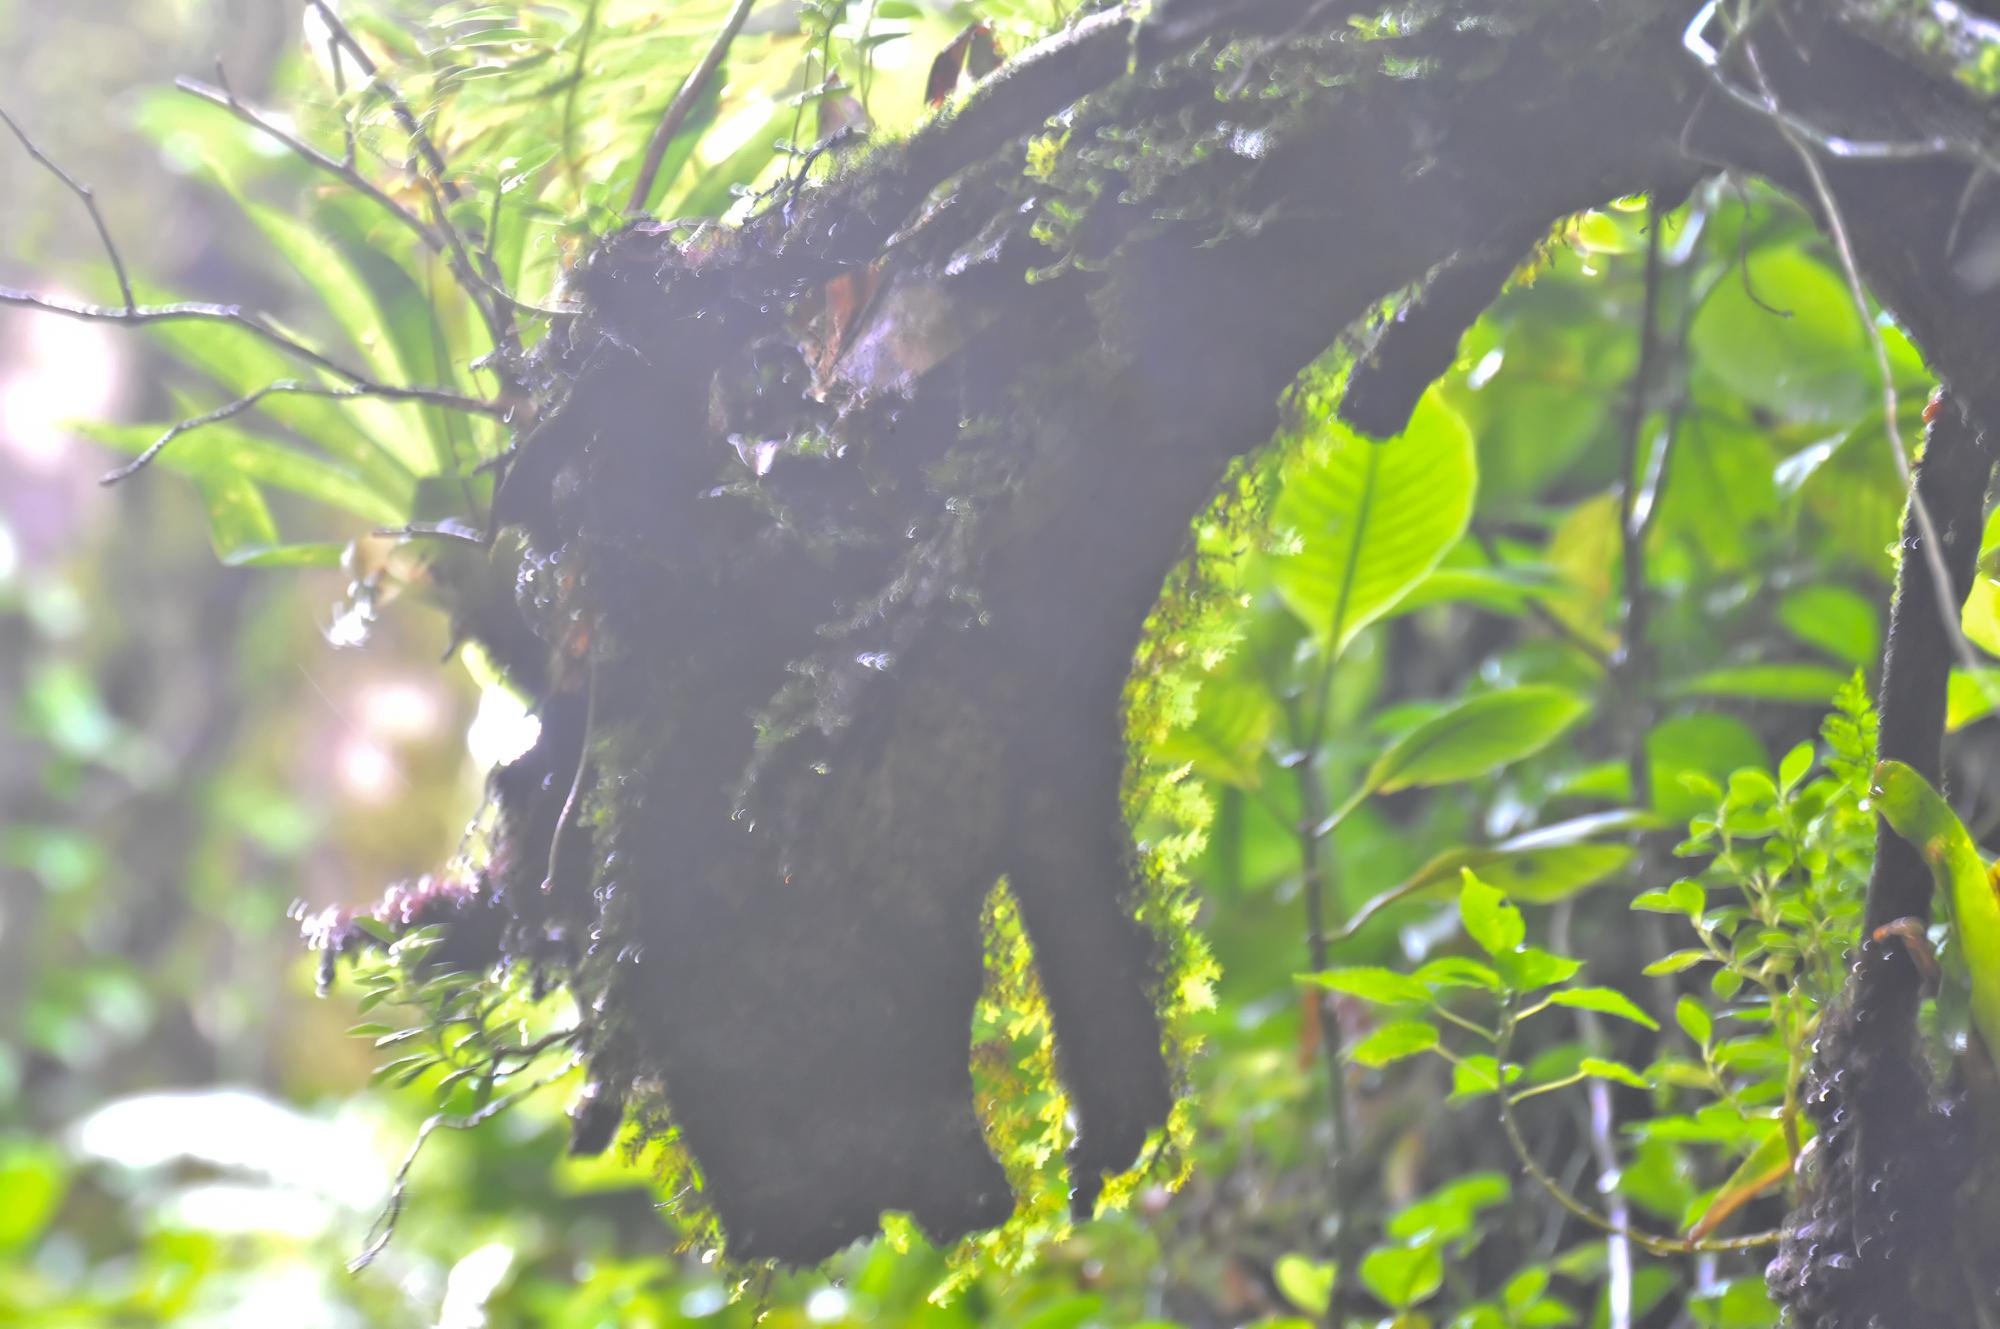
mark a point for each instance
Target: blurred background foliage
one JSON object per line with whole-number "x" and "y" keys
{"x": 193, "y": 742}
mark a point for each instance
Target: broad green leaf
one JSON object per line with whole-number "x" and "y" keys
{"x": 1742, "y": 1303}
{"x": 1601, "y": 1069}
{"x": 1838, "y": 620}
{"x": 1709, "y": 745}
{"x": 1605, "y": 1001}
{"x": 1372, "y": 519}
{"x": 1490, "y": 918}
{"x": 1450, "y": 1211}
{"x": 1306, "y": 1283}
{"x": 1402, "y": 1276}
{"x": 1812, "y": 685}
{"x": 1694, "y": 1019}
{"x": 1539, "y": 389}
{"x": 1915, "y": 812}
{"x": 238, "y": 520}
{"x": 1477, "y": 736}
{"x": 1393, "y": 1042}
{"x": 1477, "y": 1075}
{"x": 1455, "y": 971}
{"x": 1225, "y": 740}
{"x": 1971, "y": 696}
{"x": 1387, "y": 987}
{"x": 415, "y": 437}
{"x": 1810, "y": 362}
{"x": 1531, "y": 967}
{"x": 33, "y": 1182}
{"x": 1676, "y": 962}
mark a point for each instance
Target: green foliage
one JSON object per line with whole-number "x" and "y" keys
{"x": 1397, "y": 679}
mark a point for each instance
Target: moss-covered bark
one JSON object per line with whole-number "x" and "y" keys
{"x": 838, "y": 530}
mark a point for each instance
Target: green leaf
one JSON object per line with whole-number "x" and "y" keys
{"x": 1306, "y": 1283}
{"x": 1812, "y": 685}
{"x": 1451, "y": 1211}
{"x": 1476, "y": 736}
{"x": 1915, "y": 812}
{"x": 1393, "y": 1042}
{"x": 1599, "y": 1068}
{"x": 1401, "y": 1276}
{"x": 1477, "y": 1075}
{"x": 1455, "y": 971}
{"x": 1842, "y": 622}
{"x": 1676, "y": 962}
{"x": 1708, "y": 744}
{"x": 1795, "y": 767}
{"x": 1371, "y": 983}
{"x": 1225, "y": 740}
{"x": 1531, "y": 967}
{"x": 238, "y": 520}
{"x": 1694, "y": 1019}
{"x": 1372, "y": 519}
{"x": 1490, "y": 918}
{"x": 1811, "y": 366}
{"x": 1971, "y": 696}
{"x": 33, "y": 1183}
{"x": 1605, "y": 1001}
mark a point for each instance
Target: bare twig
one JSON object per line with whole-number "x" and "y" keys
{"x": 292, "y": 387}
{"x": 420, "y": 139}
{"x": 1544, "y": 615}
{"x": 134, "y": 314}
{"x": 437, "y": 241}
{"x": 225, "y": 97}
{"x": 384, "y": 1226}
{"x": 1651, "y": 1242}
{"x": 89, "y": 198}
{"x": 561, "y": 837}
{"x": 1695, "y": 40}
{"x": 195, "y": 311}
{"x": 677, "y": 110}
{"x": 576, "y": 78}
{"x": 1836, "y": 225}
{"x": 1312, "y": 810}
{"x": 436, "y": 178}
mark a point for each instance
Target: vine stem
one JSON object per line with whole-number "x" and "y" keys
{"x": 1313, "y": 885}
{"x": 677, "y": 110}
{"x": 1652, "y": 1243}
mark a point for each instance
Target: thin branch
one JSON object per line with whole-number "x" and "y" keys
{"x": 292, "y": 387}
{"x": 201, "y": 311}
{"x": 437, "y": 180}
{"x": 1651, "y": 1242}
{"x": 1836, "y": 224}
{"x": 1544, "y": 615}
{"x": 346, "y": 171}
{"x": 384, "y": 1226}
{"x": 420, "y": 139}
{"x": 89, "y": 198}
{"x": 561, "y": 838}
{"x": 677, "y": 110}
{"x": 576, "y": 78}
{"x": 1695, "y": 41}
{"x": 1312, "y": 867}
{"x": 438, "y": 242}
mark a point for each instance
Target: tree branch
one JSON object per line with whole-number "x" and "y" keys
{"x": 291, "y": 387}
{"x": 89, "y": 197}
{"x": 437, "y": 181}
{"x": 677, "y": 110}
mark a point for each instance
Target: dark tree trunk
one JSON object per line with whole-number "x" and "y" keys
{"x": 839, "y": 530}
